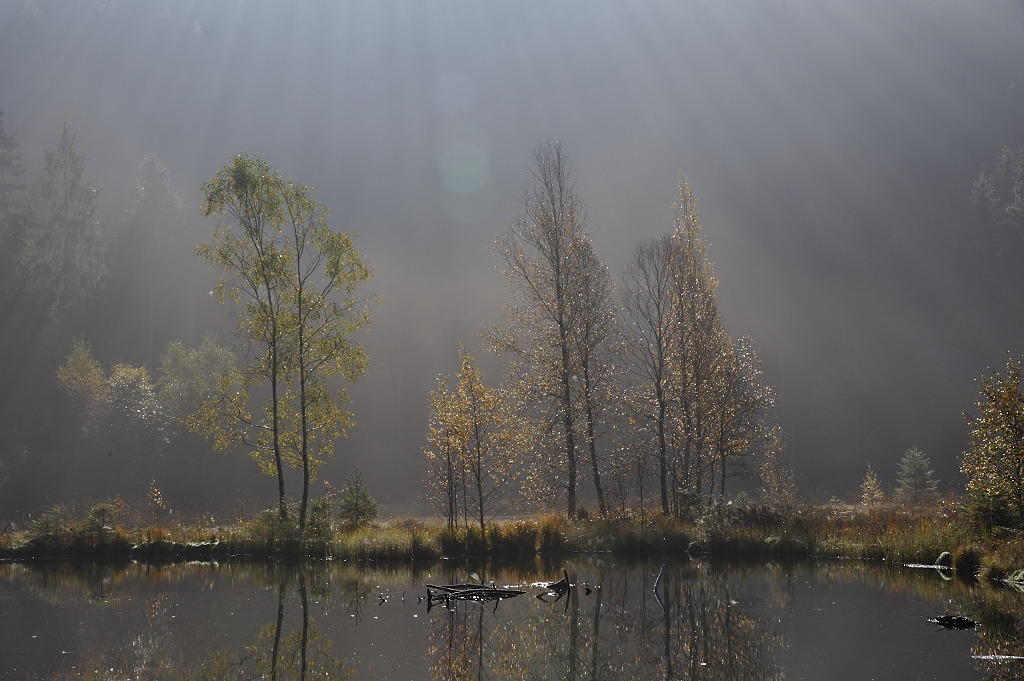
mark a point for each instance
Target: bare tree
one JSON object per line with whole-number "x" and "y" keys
{"x": 596, "y": 340}
{"x": 647, "y": 306}
{"x": 541, "y": 249}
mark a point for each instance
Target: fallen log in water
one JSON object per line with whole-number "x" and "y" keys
{"x": 558, "y": 589}
{"x": 954, "y": 622}
{"x": 445, "y": 593}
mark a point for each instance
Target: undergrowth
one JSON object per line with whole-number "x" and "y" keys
{"x": 893, "y": 533}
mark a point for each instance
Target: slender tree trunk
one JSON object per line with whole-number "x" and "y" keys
{"x": 465, "y": 499}
{"x": 303, "y": 401}
{"x": 662, "y": 451}
{"x": 566, "y": 376}
{"x": 283, "y": 507}
{"x": 305, "y": 626}
{"x": 480, "y": 644}
{"x": 453, "y": 493}
{"x": 595, "y": 652}
{"x": 592, "y": 441}
{"x": 570, "y": 435}
{"x": 478, "y": 474}
{"x": 480, "y": 491}
{"x": 277, "y": 632}
{"x": 593, "y": 462}
{"x": 574, "y": 632}
{"x": 149, "y": 361}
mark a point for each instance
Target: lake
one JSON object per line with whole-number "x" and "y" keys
{"x": 332, "y": 619}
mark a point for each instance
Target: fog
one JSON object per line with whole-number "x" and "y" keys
{"x": 832, "y": 148}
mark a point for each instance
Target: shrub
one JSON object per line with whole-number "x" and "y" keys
{"x": 318, "y": 522}
{"x": 356, "y": 507}
{"x": 102, "y": 517}
{"x": 995, "y": 461}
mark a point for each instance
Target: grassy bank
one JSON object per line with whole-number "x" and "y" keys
{"x": 892, "y": 533}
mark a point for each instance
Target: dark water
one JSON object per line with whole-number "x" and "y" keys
{"x": 335, "y": 619}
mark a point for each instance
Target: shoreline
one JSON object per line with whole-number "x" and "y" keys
{"x": 890, "y": 534}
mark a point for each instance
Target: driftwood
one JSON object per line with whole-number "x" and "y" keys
{"x": 446, "y": 594}
{"x": 954, "y": 622}
{"x": 484, "y": 593}
{"x": 558, "y": 589}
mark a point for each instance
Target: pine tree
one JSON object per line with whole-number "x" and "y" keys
{"x": 65, "y": 254}
{"x": 356, "y": 507}
{"x": 914, "y": 483}
{"x": 871, "y": 490}
{"x": 12, "y": 217}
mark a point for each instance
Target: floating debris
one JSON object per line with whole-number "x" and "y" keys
{"x": 998, "y": 658}
{"x": 933, "y": 566}
{"x": 557, "y": 589}
{"x": 954, "y": 622}
{"x": 484, "y": 593}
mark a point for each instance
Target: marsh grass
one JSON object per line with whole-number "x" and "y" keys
{"x": 892, "y": 533}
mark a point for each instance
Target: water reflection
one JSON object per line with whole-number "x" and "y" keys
{"x": 301, "y": 654}
{"x": 328, "y": 620}
{"x": 690, "y": 628}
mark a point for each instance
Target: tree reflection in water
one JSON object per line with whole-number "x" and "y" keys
{"x": 301, "y": 654}
{"x": 691, "y": 629}
{"x": 278, "y": 652}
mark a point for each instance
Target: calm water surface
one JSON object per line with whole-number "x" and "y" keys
{"x": 335, "y": 620}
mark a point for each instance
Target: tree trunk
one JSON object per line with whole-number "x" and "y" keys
{"x": 662, "y": 451}
{"x": 593, "y": 460}
{"x": 282, "y": 506}
{"x": 570, "y": 435}
{"x": 305, "y": 626}
{"x": 277, "y": 632}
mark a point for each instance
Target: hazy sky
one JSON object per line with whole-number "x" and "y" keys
{"x": 831, "y": 147}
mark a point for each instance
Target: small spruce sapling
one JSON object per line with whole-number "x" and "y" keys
{"x": 870, "y": 490}
{"x": 914, "y": 484}
{"x": 356, "y": 507}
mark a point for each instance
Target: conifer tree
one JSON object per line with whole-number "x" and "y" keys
{"x": 356, "y": 506}
{"x": 914, "y": 482}
{"x": 12, "y": 211}
{"x": 64, "y": 255}
{"x": 870, "y": 490}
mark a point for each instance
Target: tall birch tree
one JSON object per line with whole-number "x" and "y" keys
{"x": 445, "y": 467}
{"x": 487, "y": 438}
{"x": 647, "y": 306}
{"x": 296, "y": 280}
{"x": 541, "y": 250}
{"x": 247, "y": 247}
{"x": 698, "y": 340}
{"x": 596, "y": 344}
{"x": 321, "y": 313}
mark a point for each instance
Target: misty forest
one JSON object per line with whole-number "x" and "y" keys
{"x": 511, "y": 287}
